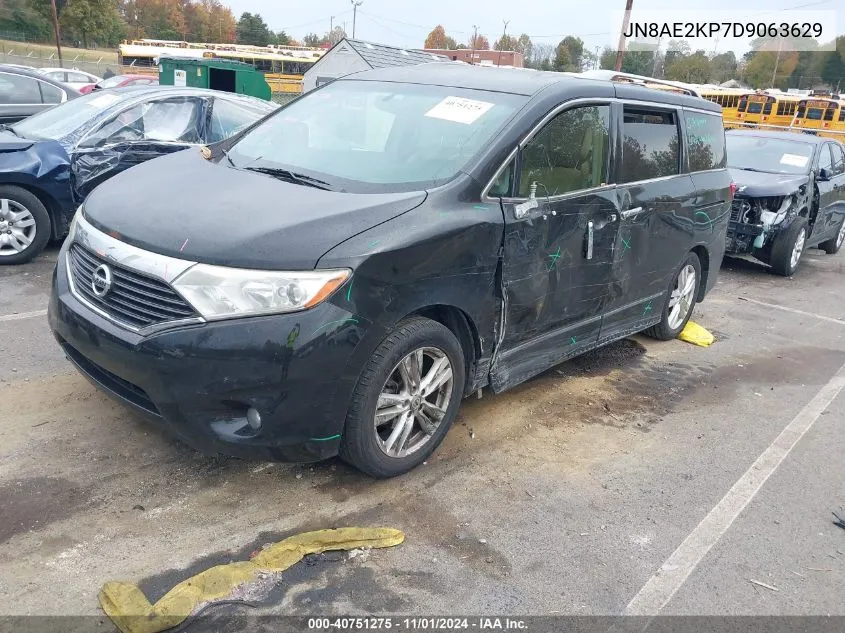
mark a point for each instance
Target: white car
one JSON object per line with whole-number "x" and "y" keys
{"x": 72, "y": 77}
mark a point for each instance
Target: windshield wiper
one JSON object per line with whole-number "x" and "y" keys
{"x": 291, "y": 176}
{"x": 762, "y": 171}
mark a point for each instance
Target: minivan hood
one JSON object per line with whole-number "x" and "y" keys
{"x": 755, "y": 184}
{"x": 184, "y": 206}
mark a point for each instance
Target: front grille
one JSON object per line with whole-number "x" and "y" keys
{"x": 109, "y": 381}
{"x": 134, "y": 298}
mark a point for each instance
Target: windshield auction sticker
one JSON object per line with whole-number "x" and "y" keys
{"x": 459, "y": 110}
{"x": 794, "y": 160}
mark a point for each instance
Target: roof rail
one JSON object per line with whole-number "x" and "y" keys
{"x": 642, "y": 80}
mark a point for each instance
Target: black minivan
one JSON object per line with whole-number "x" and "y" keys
{"x": 338, "y": 277}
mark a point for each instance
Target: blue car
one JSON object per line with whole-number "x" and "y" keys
{"x": 49, "y": 162}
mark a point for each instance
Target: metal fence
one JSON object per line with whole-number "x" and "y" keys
{"x": 40, "y": 56}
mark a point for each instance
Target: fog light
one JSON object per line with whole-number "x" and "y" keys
{"x": 253, "y": 418}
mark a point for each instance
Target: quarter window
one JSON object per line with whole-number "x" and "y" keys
{"x": 825, "y": 161}
{"x": 50, "y": 93}
{"x": 838, "y": 160}
{"x": 705, "y": 141}
{"x": 650, "y": 146}
{"x": 569, "y": 153}
{"x": 172, "y": 120}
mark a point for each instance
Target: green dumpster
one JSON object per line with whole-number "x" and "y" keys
{"x": 214, "y": 73}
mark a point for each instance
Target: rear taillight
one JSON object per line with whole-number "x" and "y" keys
{"x": 733, "y": 190}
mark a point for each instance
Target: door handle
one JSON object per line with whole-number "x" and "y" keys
{"x": 631, "y": 213}
{"x": 590, "y": 239}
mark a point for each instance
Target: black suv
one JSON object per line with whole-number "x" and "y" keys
{"x": 338, "y": 277}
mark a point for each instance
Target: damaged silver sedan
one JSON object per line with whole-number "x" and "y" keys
{"x": 790, "y": 196}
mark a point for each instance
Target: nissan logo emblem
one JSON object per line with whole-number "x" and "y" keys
{"x": 101, "y": 280}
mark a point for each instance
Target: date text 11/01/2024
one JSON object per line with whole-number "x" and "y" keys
{"x": 416, "y": 624}
{"x": 724, "y": 29}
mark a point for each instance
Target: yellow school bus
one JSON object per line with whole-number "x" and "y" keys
{"x": 283, "y": 66}
{"x": 820, "y": 116}
{"x": 728, "y": 98}
{"x": 761, "y": 109}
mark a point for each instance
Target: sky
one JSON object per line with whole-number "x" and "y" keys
{"x": 406, "y": 24}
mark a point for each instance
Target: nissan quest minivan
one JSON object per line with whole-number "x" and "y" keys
{"x": 338, "y": 277}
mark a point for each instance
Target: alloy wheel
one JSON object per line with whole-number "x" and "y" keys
{"x": 798, "y": 249}
{"x": 17, "y": 227}
{"x": 413, "y": 401}
{"x": 681, "y": 299}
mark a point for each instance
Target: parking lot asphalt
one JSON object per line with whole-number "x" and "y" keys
{"x": 643, "y": 477}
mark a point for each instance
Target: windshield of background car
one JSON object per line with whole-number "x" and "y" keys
{"x": 364, "y": 136}
{"x": 111, "y": 82}
{"x": 774, "y": 155}
{"x": 66, "y": 118}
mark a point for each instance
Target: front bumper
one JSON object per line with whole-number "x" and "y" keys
{"x": 740, "y": 237}
{"x": 197, "y": 381}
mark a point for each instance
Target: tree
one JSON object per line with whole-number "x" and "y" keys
{"x": 89, "y": 21}
{"x": 314, "y": 41}
{"x": 525, "y": 46}
{"x": 505, "y": 43}
{"x": 760, "y": 67}
{"x": 283, "y": 38}
{"x": 833, "y": 70}
{"x": 638, "y": 61}
{"x": 569, "y": 55}
{"x": 479, "y": 43}
{"x": 253, "y": 30}
{"x": 723, "y": 67}
{"x": 335, "y": 35}
{"x": 541, "y": 56}
{"x": 693, "y": 69}
{"x": 437, "y": 38}
{"x": 676, "y": 49}
{"x": 21, "y": 17}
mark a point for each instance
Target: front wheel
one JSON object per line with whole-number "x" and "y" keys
{"x": 406, "y": 399}
{"x": 789, "y": 248}
{"x": 24, "y": 225}
{"x": 682, "y": 295}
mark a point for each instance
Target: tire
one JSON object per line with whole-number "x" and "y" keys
{"x": 788, "y": 248}
{"x": 672, "y": 323}
{"x": 832, "y": 246}
{"x": 30, "y": 223}
{"x": 368, "y": 447}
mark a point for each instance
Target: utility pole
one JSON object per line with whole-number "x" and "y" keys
{"x": 598, "y": 59}
{"x": 777, "y": 61}
{"x": 474, "y": 39}
{"x": 504, "y": 33}
{"x": 355, "y": 5}
{"x": 56, "y": 30}
{"x": 620, "y": 52}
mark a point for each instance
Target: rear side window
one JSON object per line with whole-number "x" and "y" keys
{"x": 705, "y": 141}
{"x": 650, "y": 144}
{"x": 18, "y": 89}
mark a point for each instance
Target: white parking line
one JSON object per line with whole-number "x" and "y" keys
{"x": 660, "y": 588}
{"x": 793, "y": 310}
{"x": 22, "y": 315}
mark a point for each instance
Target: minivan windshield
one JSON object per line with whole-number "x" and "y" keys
{"x": 367, "y": 136}
{"x": 66, "y": 118}
{"x": 775, "y": 155}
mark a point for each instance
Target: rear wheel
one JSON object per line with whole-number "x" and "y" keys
{"x": 24, "y": 225}
{"x": 789, "y": 248}
{"x": 832, "y": 246}
{"x": 406, "y": 399}
{"x": 682, "y": 295}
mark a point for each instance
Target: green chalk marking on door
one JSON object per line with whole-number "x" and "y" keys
{"x": 554, "y": 257}
{"x": 626, "y": 244}
{"x": 349, "y": 292}
{"x": 482, "y": 207}
{"x": 373, "y": 243}
{"x": 647, "y": 308}
{"x": 573, "y": 340}
{"x": 325, "y": 439}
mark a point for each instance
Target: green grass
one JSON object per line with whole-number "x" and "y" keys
{"x": 43, "y": 51}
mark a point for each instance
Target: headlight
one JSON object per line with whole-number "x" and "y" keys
{"x": 217, "y": 292}
{"x": 72, "y": 228}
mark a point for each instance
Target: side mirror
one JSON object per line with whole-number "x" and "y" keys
{"x": 823, "y": 175}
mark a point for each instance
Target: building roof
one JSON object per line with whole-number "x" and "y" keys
{"x": 381, "y": 56}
